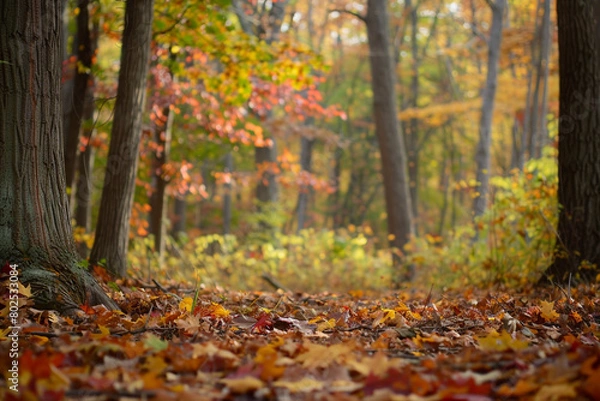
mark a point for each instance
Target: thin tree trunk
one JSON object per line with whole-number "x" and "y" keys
{"x": 305, "y": 191}
{"x": 162, "y": 137}
{"x": 266, "y": 189}
{"x": 391, "y": 143}
{"x": 179, "y": 220}
{"x": 83, "y": 194}
{"x": 35, "y": 229}
{"x": 112, "y": 232}
{"x": 483, "y": 155}
{"x": 227, "y": 212}
{"x": 412, "y": 135}
{"x": 542, "y": 138}
{"x": 84, "y": 52}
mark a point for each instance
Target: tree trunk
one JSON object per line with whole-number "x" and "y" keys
{"x": 266, "y": 189}
{"x": 412, "y": 136}
{"x": 162, "y": 136}
{"x": 112, "y": 232}
{"x": 578, "y": 145}
{"x": 305, "y": 191}
{"x": 84, "y": 54}
{"x": 35, "y": 230}
{"x": 543, "y": 139}
{"x": 85, "y": 164}
{"x": 178, "y": 222}
{"x": 391, "y": 143}
{"x": 483, "y": 155}
{"x": 227, "y": 195}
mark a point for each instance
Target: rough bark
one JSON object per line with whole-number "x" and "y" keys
{"x": 84, "y": 53}
{"x": 391, "y": 143}
{"x": 35, "y": 230}
{"x": 112, "y": 231}
{"x": 483, "y": 154}
{"x": 578, "y": 145}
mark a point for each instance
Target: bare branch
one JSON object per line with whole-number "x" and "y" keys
{"x": 344, "y": 11}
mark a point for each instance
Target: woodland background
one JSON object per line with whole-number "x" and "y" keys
{"x": 258, "y": 157}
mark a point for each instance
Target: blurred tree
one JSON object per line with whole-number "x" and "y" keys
{"x": 483, "y": 154}
{"x": 391, "y": 142}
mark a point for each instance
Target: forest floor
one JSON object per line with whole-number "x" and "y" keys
{"x": 169, "y": 344}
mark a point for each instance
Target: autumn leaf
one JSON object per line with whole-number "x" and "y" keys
{"x": 243, "y": 384}
{"x": 503, "y": 341}
{"x": 548, "y": 312}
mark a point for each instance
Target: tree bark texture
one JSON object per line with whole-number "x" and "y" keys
{"x": 35, "y": 230}
{"x": 483, "y": 154}
{"x": 578, "y": 144}
{"x": 112, "y": 231}
{"x": 391, "y": 143}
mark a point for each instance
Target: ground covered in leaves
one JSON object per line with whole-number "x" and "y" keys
{"x": 177, "y": 343}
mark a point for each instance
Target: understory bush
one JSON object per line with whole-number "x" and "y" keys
{"x": 511, "y": 244}
{"x": 312, "y": 261}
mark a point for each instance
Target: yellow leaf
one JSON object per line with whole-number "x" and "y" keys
{"x": 104, "y": 332}
{"x": 25, "y": 291}
{"x": 501, "y": 342}
{"x": 218, "y": 310}
{"x": 304, "y": 385}
{"x": 563, "y": 391}
{"x": 186, "y": 304}
{"x": 548, "y": 312}
{"x": 243, "y": 384}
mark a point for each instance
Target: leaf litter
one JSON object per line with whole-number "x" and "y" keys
{"x": 223, "y": 345}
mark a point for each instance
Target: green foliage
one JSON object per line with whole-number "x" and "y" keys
{"x": 313, "y": 261}
{"x": 511, "y": 244}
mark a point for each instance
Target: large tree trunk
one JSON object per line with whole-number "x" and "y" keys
{"x": 84, "y": 54}
{"x": 578, "y": 144}
{"x": 112, "y": 232}
{"x": 391, "y": 143}
{"x": 483, "y": 155}
{"x": 35, "y": 230}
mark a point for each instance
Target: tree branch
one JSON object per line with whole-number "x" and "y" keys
{"x": 354, "y": 14}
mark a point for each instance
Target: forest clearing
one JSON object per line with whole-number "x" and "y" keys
{"x": 299, "y": 200}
